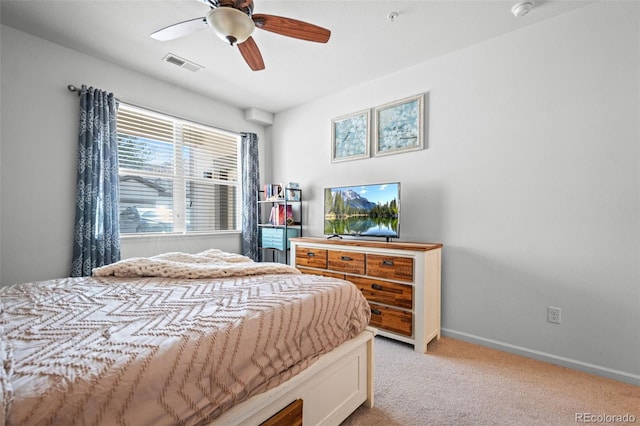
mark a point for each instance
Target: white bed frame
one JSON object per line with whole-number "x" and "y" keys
{"x": 331, "y": 388}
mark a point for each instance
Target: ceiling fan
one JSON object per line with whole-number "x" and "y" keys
{"x": 233, "y": 21}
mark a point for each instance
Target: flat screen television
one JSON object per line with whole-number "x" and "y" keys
{"x": 371, "y": 210}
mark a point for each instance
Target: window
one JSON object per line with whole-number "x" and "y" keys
{"x": 176, "y": 176}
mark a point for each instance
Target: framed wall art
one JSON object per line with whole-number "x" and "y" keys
{"x": 350, "y": 136}
{"x": 399, "y": 126}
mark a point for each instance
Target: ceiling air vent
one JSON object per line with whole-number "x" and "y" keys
{"x": 181, "y": 62}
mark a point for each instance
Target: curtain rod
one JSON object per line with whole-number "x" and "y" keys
{"x": 76, "y": 89}
{"x": 73, "y": 88}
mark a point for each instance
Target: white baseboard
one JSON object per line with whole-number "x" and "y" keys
{"x": 621, "y": 376}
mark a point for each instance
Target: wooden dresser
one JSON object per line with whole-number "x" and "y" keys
{"x": 401, "y": 281}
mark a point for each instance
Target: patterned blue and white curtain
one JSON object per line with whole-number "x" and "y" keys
{"x": 250, "y": 185}
{"x": 96, "y": 239}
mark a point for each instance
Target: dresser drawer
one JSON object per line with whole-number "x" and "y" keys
{"x": 311, "y": 257}
{"x": 323, "y": 273}
{"x": 391, "y": 319}
{"x": 400, "y": 295}
{"x": 400, "y": 281}
{"x": 346, "y": 261}
{"x": 391, "y": 267}
{"x": 274, "y": 237}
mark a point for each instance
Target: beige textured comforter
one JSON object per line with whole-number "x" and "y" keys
{"x": 159, "y": 351}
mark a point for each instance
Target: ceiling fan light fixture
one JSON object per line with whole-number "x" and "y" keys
{"x": 231, "y": 25}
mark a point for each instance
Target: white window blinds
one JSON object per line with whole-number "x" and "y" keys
{"x": 175, "y": 175}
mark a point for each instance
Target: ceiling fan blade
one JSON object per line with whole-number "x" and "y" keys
{"x": 180, "y": 29}
{"x": 251, "y": 54}
{"x": 292, "y": 28}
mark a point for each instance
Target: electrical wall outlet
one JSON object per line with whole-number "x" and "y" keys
{"x": 553, "y": 315}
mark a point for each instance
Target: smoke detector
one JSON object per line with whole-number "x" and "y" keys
{"x": 521, "y": 8}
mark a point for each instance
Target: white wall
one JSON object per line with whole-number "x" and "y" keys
{"x": 38, "y": 151}
{"x": 530, "y": 179}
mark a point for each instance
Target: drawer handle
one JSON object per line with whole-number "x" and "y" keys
{"x": 376, "y": 286}
{"x": 376, "y": 312}
{"x": 310, "y": 254}
{"x": 387, "y": 262}
{"x": 347, "y": 258}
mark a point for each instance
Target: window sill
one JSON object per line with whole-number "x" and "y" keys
{"x": 181, "y": 235}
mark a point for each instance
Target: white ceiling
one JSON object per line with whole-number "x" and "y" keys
{"x": 364, "y": 44}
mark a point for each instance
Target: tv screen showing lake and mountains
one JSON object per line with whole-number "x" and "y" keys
{"x": 363, "y": 210}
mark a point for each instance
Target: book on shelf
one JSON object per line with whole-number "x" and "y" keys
{"x": 274, "y": 191}
{"x": 279, "y": 217}
{"x": 277, "y": 191}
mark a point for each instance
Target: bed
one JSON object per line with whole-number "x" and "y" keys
{"x": 188, "y": 339}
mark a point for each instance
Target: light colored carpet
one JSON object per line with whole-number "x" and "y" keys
{"x": 459, "y": 383}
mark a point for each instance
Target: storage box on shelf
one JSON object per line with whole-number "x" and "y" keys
{"x": 280, "y": 220}
{"x": 401, "y": 281}
{"x": 275, "y": 237}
